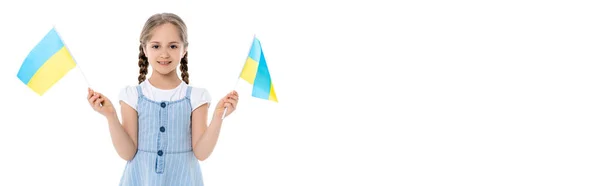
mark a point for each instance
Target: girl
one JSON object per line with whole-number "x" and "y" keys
{"x": 164, "y": 129}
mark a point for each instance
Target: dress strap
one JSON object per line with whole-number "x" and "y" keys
{"x": 139, "y": 91}
{"x": 188, "y": 92}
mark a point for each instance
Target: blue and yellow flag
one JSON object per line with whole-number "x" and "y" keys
{"x": 46, "y": 63}
{"x": 256, "y": 73}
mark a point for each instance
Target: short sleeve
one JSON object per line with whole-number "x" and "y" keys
{"x": 199, "y": 97}
{"x": 129, "y": 95}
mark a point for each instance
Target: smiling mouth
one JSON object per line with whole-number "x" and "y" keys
{"x": 164, "y": 62}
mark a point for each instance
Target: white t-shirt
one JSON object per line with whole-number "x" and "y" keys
{"x": 198, "y": 96}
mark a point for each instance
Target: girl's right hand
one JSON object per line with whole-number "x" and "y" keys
{"x": 100, "y": 103}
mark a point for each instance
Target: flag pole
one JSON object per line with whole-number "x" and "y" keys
{"x": 77, "y": 64}
{"x": 240, "y": 74}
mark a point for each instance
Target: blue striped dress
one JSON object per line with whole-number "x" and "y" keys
{"x": 164, "y": 155}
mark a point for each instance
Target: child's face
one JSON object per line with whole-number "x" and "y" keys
{"x": 165, "y": 49}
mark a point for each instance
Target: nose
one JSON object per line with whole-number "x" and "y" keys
{"x": 164, "y": 54}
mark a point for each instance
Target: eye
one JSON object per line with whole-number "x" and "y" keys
{"x": 154, "y": 46}
{"x": 173, "y": 46}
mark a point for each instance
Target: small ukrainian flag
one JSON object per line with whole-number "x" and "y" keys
{"x": 46, "y": 63}
{"x": 256, "y": 72}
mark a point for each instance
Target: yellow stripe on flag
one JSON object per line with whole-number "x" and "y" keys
{"x": 51, "y": 71}
{"x": 272, "y": 96}
{"x": 249, "y": 70}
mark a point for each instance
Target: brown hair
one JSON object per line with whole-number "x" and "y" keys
{"x": 153, "y": 22}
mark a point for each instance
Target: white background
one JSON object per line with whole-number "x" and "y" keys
{"x": 371, "y": 93}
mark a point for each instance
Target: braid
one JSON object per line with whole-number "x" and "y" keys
{"x": 184, "y": 69}
{"x": 143, "y": 64}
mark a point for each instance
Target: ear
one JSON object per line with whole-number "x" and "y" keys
{"x": 184, "y": 52}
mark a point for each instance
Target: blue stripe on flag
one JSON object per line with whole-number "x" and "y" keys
{"x": 262, "y": 82}
{"x": 256, "y": 50}
{"x": 45, "y": 49}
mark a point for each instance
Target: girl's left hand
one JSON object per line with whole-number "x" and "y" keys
{"x": 229, "y": 101}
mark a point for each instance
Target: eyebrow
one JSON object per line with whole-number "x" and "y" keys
{"x": 169, "y": 42}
